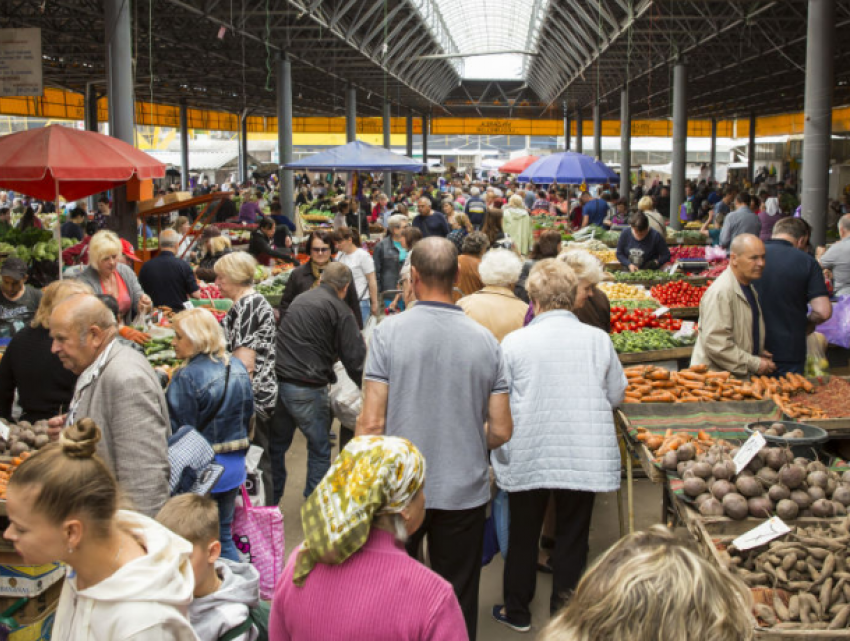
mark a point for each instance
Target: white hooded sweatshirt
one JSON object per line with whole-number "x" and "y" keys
{"x": 218, "y": 613}
{"x": 145, "y": 600}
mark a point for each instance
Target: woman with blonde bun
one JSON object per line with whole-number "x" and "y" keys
{"x": 129, "y": 578}
{"x": 651, "y": 587}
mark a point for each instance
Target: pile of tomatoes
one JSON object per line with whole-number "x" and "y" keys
{"x": 635, "y": 320}
{"x": 209, "y": 291}
{"x": 678, "y": 294}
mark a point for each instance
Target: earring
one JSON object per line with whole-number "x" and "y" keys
{"x": 70, "y": 550}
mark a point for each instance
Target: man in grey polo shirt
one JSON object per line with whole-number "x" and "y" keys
{"x": 740, "y": 221}
{"x": 837, "y": 259}
{"x": 436, "y": 377}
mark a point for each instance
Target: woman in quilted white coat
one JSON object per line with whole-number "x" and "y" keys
{"x": 565, "y": 380}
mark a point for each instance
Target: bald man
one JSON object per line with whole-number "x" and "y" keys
{"x": 118, "y": 390}
{"x": 731, "y": 325}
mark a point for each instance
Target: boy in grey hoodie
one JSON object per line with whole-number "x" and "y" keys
{"x": 225, "y": 592}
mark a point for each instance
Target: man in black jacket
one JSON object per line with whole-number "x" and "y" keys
{"x": 260, "y": 246}
{"x": 318, "y": 330}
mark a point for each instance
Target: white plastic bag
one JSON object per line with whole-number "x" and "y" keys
{"x": 369, "y": 327}
{"x": 254, "y": 479}
{"x": 345, "y": 398}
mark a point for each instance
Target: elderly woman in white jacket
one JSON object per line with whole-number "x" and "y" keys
{"x": 565, "y": 380}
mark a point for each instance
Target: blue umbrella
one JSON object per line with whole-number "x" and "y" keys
{"x": 356, "y": 156}
{"x": 568, "y": 168}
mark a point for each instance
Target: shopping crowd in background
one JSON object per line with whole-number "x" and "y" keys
{"x": 478, "y": 316}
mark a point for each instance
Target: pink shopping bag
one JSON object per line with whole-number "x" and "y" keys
{"x": 258, "y": 535}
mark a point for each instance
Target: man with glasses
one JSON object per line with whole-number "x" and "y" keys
{"x": 321, "y": 248}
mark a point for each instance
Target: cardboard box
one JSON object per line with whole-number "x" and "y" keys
{"x": 39, "y": 630}
{"x": 139, "y": 189}
{"x": 29, "y": 580}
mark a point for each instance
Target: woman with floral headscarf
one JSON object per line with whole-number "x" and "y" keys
{"x": 352, "y": 578}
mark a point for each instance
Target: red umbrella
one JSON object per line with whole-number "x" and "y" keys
{"x": 54, "y": 160}
{"x": 518, "y": 165}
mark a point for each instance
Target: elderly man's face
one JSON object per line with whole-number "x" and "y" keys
{"x": 75, "y": 353}
{"x": 11, "y": 287}
{"x": 423, "y": 208}
{"x": 748, "y": 265}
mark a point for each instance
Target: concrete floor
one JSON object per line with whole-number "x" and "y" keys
{"x": 604, "y": 531}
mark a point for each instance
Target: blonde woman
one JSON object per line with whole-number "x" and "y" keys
{"x": 212, "y": 393}
{"x": 656, "y": 220}
{"x": 215, "y": 246}
{"x": 30, "y": 367}
{"x": 650, "y": 587}
{"x": 107, "y": 275}
{"x": 592, "y": 305}
{"x": 249, "y": 330}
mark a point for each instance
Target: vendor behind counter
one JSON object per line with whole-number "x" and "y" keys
{"x": 18, "y": 301}
{"x": 641, "y": 247}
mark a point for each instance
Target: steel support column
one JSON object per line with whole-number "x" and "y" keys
{"x": 625, "y": 145}
{"x": 387, "y": 129}
{"x": 751, "y": 148}
{"x": 713, "y": 157}
{"x": 184, "y": 146}
{"x": 579, "y": 131}
{"x": 566, "y": 128}
{"x": 243, "y": 147}
{"x": 90, "y": 108}
{"x": 350, "y": 114}
{"x": 119, "y": 88}
{"x": 408, "y": 127}
{"x": 597, "y": 130}
{"x": 425, "y": 138}
{"x": 680, "y": 142}
{"x": 818, "y": 116}
{"x": 284, "y": 135}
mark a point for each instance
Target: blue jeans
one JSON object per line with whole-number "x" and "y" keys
{"x": 306, "y": 408}
{"x": 365, "y": 310}
{"x": 226, "y": 503}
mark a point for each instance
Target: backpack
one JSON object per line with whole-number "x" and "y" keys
{"x": 258, "y": 618}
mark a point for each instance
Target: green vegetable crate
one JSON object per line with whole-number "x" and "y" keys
{"x": 220, "y": 304}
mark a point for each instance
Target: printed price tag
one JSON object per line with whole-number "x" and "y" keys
{"x": 687, "y": 330}
{"x": 748, "y": 451}
{"x": 674, "y": 268}
{"x": 658, "y": 313}
{"x": 772, "y": 528}
{"x": 4, "y": 431}
{"x": 188, "y": 305}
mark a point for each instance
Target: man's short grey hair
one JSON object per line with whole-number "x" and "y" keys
{"x": 425, "y": 200}
{"x": 474, "y": 191}
{"x": 336, "y": 275}
{"x": 169, "y": 238}
{"x": 397, "y": 220}
{"x": 844, "y": 223}
{"x": 500, "y": 268}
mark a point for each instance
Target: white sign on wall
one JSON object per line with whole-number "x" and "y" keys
{"x": 20, "y": 62}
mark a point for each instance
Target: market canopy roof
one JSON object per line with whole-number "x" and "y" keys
{"x": 57, "y": 160}
{"x": 357, "y": 156}
{"x": 568, "y": 168}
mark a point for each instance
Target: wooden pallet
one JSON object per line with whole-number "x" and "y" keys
{"x": 654, "y": 356}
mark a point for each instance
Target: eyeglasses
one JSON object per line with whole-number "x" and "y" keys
{"x": 320, "y": 250}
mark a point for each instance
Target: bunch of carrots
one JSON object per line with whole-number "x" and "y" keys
{"x": 651, "y": 384}
{"x": 661, "y": 444}
{"x": 7, "y": 469}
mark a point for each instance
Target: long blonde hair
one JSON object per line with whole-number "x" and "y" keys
{"x": 650, "y": 587}
{"x": 52, "y": 295}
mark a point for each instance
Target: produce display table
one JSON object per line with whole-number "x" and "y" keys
{"x": 685, "y": 313}
{"x": 658, "y": 355}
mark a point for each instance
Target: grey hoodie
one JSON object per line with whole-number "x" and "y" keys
{"x": 216, "y": 614}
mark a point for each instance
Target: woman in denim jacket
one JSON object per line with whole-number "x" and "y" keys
{"x": 212, "y": 392}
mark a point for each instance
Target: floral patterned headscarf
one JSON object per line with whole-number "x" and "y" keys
{"x": 373, "y": 475}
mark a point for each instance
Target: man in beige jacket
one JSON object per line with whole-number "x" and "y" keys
{"x": 496, "y": 307}
{"x": 731, "y": 325}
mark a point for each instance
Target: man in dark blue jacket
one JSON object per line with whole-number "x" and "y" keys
{"x": 430, "y": 223}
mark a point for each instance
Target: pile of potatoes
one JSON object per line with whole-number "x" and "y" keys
{"x": 809, "y": 574}
{"x": 24, "y": 437}
{"x": 773, "y": 482}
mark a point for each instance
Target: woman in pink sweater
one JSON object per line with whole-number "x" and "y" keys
{"x": 351, "y": 578}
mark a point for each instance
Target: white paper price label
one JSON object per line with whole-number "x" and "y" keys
{"x": 748, "y": 451}
{"x": 658, "y": 313}
{"x": 188, "y": 305}
{"x": 772, "y": 528}
{"x": 686, "y": 331}
{"x": 4, "y": 431}
{"x": 674, "y": 268}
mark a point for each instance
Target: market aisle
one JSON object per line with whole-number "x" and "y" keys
{"x": 604, "y": 532}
